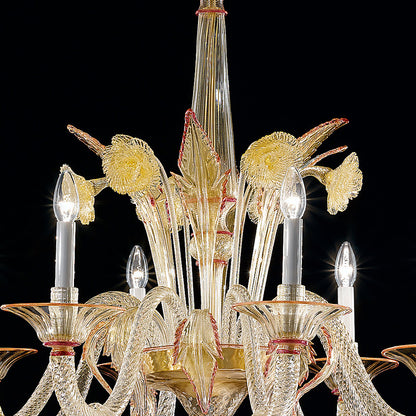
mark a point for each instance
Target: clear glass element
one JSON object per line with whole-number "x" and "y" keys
{"x": 291, "y": 319}
{"x": 374, "y": 366}
{"x": 229, "y": 385}
{"x": 345, "y": 266}
{"x": 211, "y": 94}
{"x": 293, "y": 195}
{"x": 137, "y": 273}
{"x": 405, "y": 354}
{"x": 350, "y": 375}
{"x": 65, "y": 198}
{"x": 63, "y": 322}
{"x": 211, "y": 4}
{"x": 8, "y": 356}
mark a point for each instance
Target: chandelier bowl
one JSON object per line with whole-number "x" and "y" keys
{"x": 298, "y": 320}
{"x": 228, "y": 390}
{"x": 63, "y": 324}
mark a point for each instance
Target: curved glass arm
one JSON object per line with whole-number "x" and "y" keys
{"x": 350, "y": 376}
{"x": 40, "y": 396}
{"x": 66, "y": 388}
{"x": 252, "y": 338}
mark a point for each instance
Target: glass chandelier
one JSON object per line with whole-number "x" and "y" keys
{"x": 200, "y": 336}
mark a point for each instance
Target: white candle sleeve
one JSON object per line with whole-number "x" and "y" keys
{"x": 65, "y": 254}
{"x": 292, "y": 251}
{"x": 346, "y": 298}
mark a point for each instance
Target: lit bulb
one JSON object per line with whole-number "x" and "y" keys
{"x": 345, "y": 266}
{"x": 293, "y": 195}
{"x": 137, "y": 272}
{"x": 65, "y": 198}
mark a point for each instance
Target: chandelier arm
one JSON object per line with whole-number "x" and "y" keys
{"x": 141, "y": 325}
{"x": 39, "y": 397}
{"x": 281, "y": 384}
{"x": 87, "y": 365}
{"x": 251, "y": 339}
{"x": 66, "y": 388}
{"x": 355, "y": 387}
{"x": 166, "y": 404}
{"x": 341, "y": 408}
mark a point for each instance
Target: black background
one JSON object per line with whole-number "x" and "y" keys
{"x": 127, "y": 67}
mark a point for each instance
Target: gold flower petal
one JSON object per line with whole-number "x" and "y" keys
{"x": 130, "y": 165}
{"x": 343, "y": 183}
{"x": 267, "y": 160}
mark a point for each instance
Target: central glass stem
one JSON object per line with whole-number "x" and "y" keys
{"x": 211, "y": 94}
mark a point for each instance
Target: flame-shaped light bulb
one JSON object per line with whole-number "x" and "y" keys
{"x": 65, "y": 198}
{"x": 345, "y": 274}
{"x": 137, "y": 273}
{"x": 293, "y": 195}
{"x": 345, "y": 266}
{"x": 66, "y": 208}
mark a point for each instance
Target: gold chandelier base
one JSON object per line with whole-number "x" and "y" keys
{"x": 229, "y": 388}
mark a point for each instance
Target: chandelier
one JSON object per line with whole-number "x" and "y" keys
{"x": 204, "y": 336}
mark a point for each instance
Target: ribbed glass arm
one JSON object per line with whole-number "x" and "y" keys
{"x": 252, "y": 340}
{"x": 341, "y": 409}
{"x": 282, "y": 384}
{"x": 64, "y": 375}
{"x": 39, "y": 397}
{"x": 359, "y": 395}
{"x": 84, "y": 374}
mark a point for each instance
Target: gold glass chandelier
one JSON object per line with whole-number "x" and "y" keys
{"x": 203, "y": 336}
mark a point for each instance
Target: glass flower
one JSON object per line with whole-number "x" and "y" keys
{"x": 266, "y": 161}
{"x": 343, "y": 183}
{"x": 130, "y": 165}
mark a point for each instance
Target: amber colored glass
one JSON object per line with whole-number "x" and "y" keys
{"x": 8, "y": 356}
{"x": 291, "y": 319}
{"x": 374, "y": 366}
{"x": 229, "y": 388}
{"x": 62, "y": 321}
{"x": 405, "y": 354}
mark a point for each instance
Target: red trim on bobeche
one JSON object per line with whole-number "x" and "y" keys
{"x": 221, "y": 11}
{"x": 61, "y": 344}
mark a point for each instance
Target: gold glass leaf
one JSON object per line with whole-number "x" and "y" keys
{"x": 310, "y": 141}
{"x": 197, "y": 348}
{"x": 198, "y": 161}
